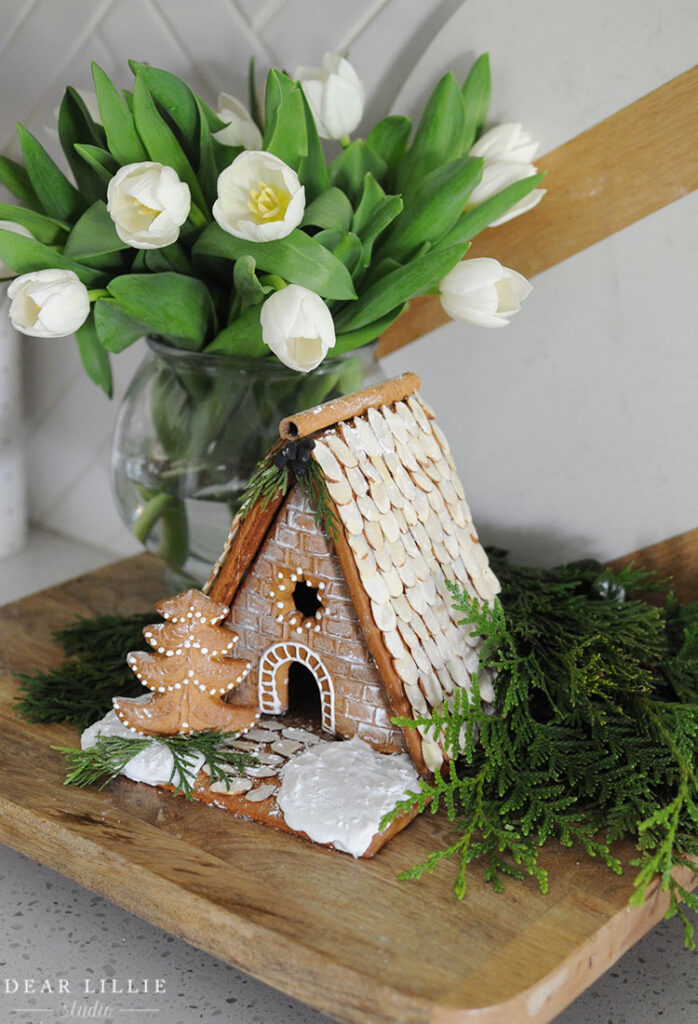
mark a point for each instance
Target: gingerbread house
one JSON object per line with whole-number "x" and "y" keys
{"x": 366, "y": 612}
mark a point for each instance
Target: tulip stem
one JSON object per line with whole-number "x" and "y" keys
{"x": 97, "y": 293}
{"x": 197, "y": 217}
{"x": 345, "y": 141}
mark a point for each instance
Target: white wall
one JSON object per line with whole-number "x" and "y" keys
{"x": 575, "y": 427}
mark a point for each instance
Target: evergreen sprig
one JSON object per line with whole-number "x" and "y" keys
{"x": 81, "y": 688}
{"x": 592, "y": 738}
{"x": 110, "y": 754}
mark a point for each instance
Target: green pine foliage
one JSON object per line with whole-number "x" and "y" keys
{"x": 592, "y": 738}
{"x": 110, "y": 754}
{"x": 80, "y": 690}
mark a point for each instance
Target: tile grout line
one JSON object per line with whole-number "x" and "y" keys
{"x": 18, "y": 24}
{"x": 89, "y": 28}
{"x": 363, "y": 23}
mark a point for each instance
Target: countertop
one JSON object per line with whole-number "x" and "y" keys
{"x": 59, "y": 935}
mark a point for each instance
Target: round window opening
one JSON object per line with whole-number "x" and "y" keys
{"x": 306, "y": 599}
{"x": 298, "y": 601}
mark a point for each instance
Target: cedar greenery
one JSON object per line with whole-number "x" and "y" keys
{"x": 271, "y": 481}
{"x": 110, "y": 754}
{"x": 81, "y": 688}
{"x": 592, "y": 737}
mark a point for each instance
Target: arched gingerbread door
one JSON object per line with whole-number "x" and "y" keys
{"x": 273, "y": 680}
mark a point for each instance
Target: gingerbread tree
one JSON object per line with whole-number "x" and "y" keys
{"x": 190, "y": 672}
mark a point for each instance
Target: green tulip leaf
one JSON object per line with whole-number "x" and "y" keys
{"x": 285, "y": 132}
{"x": 255, "y": 112}
{"x": 94, "y": 234}
{"x": 350, "y": 168}
{"x": 388, "y": 139}
{"x": 312, "y": 169}
{"x": 364, "y": 335}
{"x": 433, "y": 208}
{"x": 247, "y": 285}
{"x": 241, "y": 338}
{"x": 439, "y": 136}
{"x": 122, "y": 138}
{"x": 15, "y": 178}
{"x": 94, "y": 358}
{"x": 169, "y": 257}
{"x": 344, "y": 245}
{"x": 56, "y": 194}
{"x": 45, "y": 229}
{"x": 479, "y": 217}
{"x": 208, "y": 162}
{"x": 420, "y": 275}
{"x": 370, "y": 197}
{"x": 384, "y": 213}
{"x": 75, "y": 125}
{"x": 298, "y": 258}
{"x": 116, "y": 328}
{"x": 331, "y": 210}
{"x": 477, "y": 89}
{"x": 175, "y": 97}
{"x": 102, "y": 162}
{"x": 24, "y": 255}
{"x": 173, "y": 305}
{"x": 160, "y": 141}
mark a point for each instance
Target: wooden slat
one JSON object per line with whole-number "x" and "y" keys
{"x": 612, "y": 175}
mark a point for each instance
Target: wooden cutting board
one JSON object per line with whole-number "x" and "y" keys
{"x": 344, "y": 936}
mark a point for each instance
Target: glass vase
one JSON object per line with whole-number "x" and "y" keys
{"x": 189, "y": 433}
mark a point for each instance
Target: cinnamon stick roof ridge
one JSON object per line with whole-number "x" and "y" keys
{"x": 340, "y": 409}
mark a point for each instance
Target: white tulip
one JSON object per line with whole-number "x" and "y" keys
{"x": 260, "y": 198}
{"x": 148, "y": 204}
{"x": 483, "y": 292}
{"x": 298, "y": 327}
{"x": 335, "y": 95}
{"x": 240, "y": 129}
{"x": 498, "y": 175}
{"x": 506, "y": 142}
{"x": 48, "y": 303}
{"x": 18, "y": 229}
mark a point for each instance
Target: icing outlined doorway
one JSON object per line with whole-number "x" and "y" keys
{"x": 273, "y": 680}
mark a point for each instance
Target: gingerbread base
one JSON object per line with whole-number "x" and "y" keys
{"x": 258, "y": 802}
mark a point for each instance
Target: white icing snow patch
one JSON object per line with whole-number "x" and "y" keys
{"x": 154, "y": 765}
{"x": 338, "y": 792}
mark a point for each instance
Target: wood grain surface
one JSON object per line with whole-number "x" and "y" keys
{"x": 343, "y": 935}
{"x": 612, "y": 175}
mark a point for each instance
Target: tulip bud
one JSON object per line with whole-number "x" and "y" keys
{"x": 506, "y": 142}
{"x": 260, "y": 198}
{"x": 18, "y": 229}
{"x": 240, "y": 129}
{"x": 497, "y": 176}
{"x": 148, "y": 204}
{"x": 48, "y": 303}
{"x": 335, "y": 95}
{"x": 483, "y": 292}
{"x": 507, "y": 150}
{"x": 298, "y": 327}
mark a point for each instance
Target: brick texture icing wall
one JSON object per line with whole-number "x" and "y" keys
{"x": 295, "y": 546}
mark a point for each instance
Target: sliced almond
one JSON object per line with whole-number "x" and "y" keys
{"x": 357, "y": 481}
{"x": 256, "y": 796}
{"x": 383, "y": 616}
{"x": 232, "y": 787}
{"x": 381, "y": 428}
{"x": 341, "y": 450}
{"x": 327, "y": 461}
{"x": 340, "y": 491}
